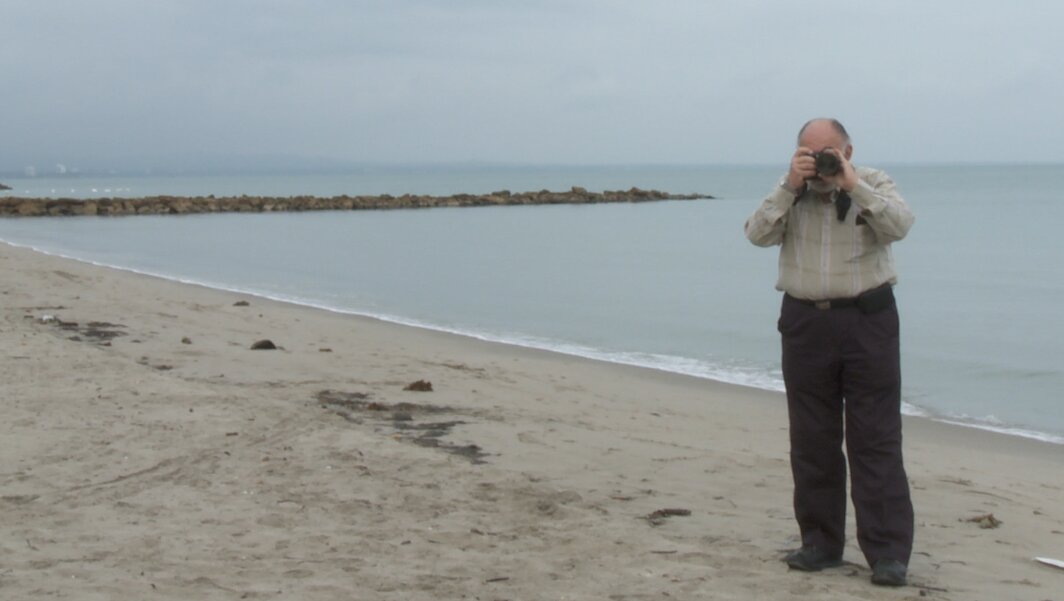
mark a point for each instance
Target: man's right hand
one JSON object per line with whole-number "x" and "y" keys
{"x": 803, "y": 167}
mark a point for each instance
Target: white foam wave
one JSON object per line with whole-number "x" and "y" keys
{"x": 738, "y": 375}
{"x": 992, "y": 424}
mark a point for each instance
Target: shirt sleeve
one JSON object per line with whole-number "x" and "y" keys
{"x": 766, "y": 226}
{"x": 882, "y": 207}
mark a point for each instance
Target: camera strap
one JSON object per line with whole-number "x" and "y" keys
{"x": 842, "y": 204}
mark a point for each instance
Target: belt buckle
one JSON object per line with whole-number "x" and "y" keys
{"x": 822, "y": 305}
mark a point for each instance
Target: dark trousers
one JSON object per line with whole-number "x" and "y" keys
{"x": 842, "y": 371}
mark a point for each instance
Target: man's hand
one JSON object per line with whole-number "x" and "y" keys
{"x": 803, "y": 167}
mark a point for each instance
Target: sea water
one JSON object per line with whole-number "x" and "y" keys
{"x": 672, "y": 285}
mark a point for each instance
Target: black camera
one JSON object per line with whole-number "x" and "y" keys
{"x": 827, "y": 163}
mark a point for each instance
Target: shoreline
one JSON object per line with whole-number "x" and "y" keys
{"x": 590, "y": 354}
{"x": 148, "y": 450}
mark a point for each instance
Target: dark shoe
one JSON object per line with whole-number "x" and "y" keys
{"x": 812, "y": 559}
{"x": 888, "y": 572}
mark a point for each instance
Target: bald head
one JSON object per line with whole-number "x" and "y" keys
{"x": 821, "y": 129}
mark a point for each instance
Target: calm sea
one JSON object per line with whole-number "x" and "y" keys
{"x": 672, "y": 285}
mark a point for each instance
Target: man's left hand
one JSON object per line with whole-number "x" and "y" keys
{"x": 846, "y": 178}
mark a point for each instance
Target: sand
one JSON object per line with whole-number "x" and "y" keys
{"x": 146, "y": 452}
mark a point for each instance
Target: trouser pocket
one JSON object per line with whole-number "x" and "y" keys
{"x": 875, "y": 300}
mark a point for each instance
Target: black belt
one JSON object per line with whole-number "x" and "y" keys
{"x": 870, "y": 301}
{"x": 831, "y": 303}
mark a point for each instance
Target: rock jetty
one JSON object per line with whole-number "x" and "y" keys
{"x": 183, "y": 205}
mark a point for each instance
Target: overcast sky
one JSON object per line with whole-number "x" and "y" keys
{"x": 529, "y": 81}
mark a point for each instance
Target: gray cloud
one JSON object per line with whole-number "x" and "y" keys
{"x": 590, "y": 81}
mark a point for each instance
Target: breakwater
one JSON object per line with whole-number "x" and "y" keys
{"x": 182, "y": 205}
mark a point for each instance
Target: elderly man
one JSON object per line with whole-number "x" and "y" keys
{"x": 835, "y": 224}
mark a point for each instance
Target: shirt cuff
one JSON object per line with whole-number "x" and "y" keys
{"x": 780, "y": 201}
{"x": 787, "y": 187}
{"x": 865, "y": 197}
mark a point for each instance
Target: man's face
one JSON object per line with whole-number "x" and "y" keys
{"x": 820, "y": 136}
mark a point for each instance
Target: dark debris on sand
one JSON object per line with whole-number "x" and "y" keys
{"x": 100, "y": 332}
{"x": 405, "y": 420}
{"x": 658, "y": 517}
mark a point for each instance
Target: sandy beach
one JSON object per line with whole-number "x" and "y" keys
{"x": 148, "y": 452}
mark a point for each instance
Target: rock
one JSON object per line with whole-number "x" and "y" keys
{"x": 241, "y": 304}
{"x": 177, "y": 205}
{"x": 419, "y": 386}
{"x": 28, "y": 209}
{"x": 264, "y": 345}
{"x": 986, "y": 521}
{"x": 186, "y": 340}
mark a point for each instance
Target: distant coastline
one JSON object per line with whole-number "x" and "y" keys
{"x": 184, "y": 205}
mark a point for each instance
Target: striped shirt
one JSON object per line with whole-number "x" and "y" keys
{"x": 823, "y": 258}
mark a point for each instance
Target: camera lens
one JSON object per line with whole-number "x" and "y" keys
{"x": 826, "y": 163}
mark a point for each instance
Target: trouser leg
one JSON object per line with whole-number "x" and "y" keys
{"x": 880, "y": 487}
{"x": 814, "y": 402}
